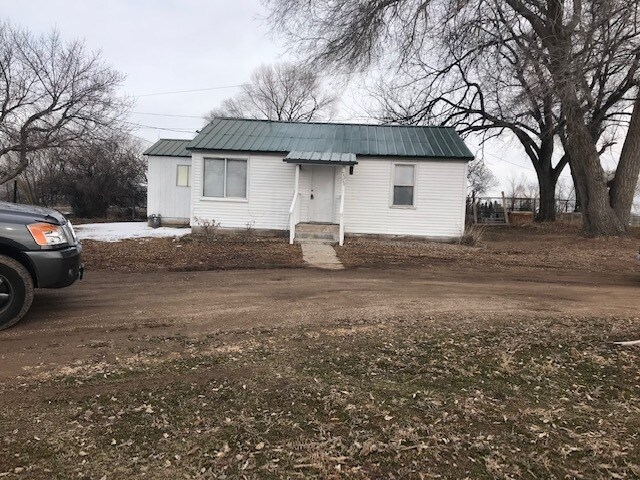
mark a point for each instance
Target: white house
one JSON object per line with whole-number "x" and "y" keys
{"x": 314, "y": 180}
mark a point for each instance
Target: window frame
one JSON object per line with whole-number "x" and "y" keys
{"x": 224, "y": 185}
{"x": 188, "y": 175}
{"x": 413, "y": 205}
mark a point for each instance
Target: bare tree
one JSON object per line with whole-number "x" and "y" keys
{"x": 490, "y": 98}
{"x": 37, "y": 183}
{"x": 283, "y": 91}
{"x": 577, "y": 40}
{"x": 579, "y": 59}
{"x": 52, "y": 93}
{"x": 97, "y": 174}
{"x": 480, "y": 178}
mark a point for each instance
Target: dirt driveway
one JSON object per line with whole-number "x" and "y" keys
{"x": 110, "y": 316}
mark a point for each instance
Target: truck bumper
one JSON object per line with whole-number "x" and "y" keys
{"x": 57, "y": 268}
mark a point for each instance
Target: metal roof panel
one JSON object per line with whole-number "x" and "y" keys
{"x": 166, "y": 147}
{"x": 236, "y": 134}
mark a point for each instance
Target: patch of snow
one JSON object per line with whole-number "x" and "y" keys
{"x": 117, "y": 231}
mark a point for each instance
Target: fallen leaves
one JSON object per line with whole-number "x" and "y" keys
{"x": 396, "y": 398}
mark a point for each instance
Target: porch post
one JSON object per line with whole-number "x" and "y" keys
{"x": 294, "y": 207}
{"x": 343, "y": 181}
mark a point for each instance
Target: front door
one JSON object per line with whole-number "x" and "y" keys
{"x": 321, "y": 198}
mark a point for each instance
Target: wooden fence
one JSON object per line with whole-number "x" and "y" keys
{"x": 520, "y": 210}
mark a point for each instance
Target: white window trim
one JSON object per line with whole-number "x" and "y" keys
{"x": 225, "y": 199}
{"x": 415, "y": 186}
{"x": 188, "y": 185}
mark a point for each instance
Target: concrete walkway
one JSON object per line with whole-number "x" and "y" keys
{"x": 321, "y": 256}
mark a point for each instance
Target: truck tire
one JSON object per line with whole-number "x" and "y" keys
{"x": 16, "y": 291}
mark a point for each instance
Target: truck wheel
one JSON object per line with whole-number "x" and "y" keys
{"x": 16, "y": 291}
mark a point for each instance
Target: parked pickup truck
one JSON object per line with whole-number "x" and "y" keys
{"x": 38, "y": 249}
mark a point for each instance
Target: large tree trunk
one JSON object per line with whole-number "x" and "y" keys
{"x": 547, "y": 211}
{"x": 547, "y": 181}
{"x": 624, "y": 183}
{"x": 598, "y": 217}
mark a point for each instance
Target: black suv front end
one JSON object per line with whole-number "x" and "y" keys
{"x": 38, "y": 249}
{"x": 57, "y": 268}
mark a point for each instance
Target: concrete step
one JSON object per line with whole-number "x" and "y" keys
{"x": 315, "y": 241}
{"x": 319, "y": 236}
{"x": 318, "y": 228}
{"x": 322, "y": 233}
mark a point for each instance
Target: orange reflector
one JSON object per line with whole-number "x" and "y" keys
{"x": 39, "y": 231}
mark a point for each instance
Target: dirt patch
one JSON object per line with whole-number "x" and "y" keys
{"x": 191, "y": 253}
{"x": 550, "y": 247}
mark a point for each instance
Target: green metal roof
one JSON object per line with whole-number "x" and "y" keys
{"x": 237, "y": 134}
{"x": 329, "y": 158}
{"x": 166, "y": 147}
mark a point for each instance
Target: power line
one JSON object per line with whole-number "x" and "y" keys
{"x": 175, "y": 129}
{"x": 140, "y": 138}
{"x": 169, "y": 115}
{"x": 187, "y": 91}
{"x": 221, "y": 87}
{"x": 514, "y": 164}
{"x": 510, "y": 163}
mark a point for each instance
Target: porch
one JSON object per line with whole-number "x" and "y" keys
{"x": 317, "y": 207}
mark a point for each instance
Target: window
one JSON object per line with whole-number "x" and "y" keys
{"x": 403, "y": 184}
{"x": 225, "y": 178}
{"x": 183, "y": 176}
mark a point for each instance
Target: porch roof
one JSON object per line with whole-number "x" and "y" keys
{"x": 321, "y": 158}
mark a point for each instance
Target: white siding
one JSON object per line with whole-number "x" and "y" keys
{"x": 164, "y": 197}
{"x": 270, "y": 191}
{"x": 440, "y": 193}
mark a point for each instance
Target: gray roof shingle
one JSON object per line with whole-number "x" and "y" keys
{"x": 237, "y": 134}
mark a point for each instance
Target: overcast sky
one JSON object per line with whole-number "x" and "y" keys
{"x": 172, "y": 46}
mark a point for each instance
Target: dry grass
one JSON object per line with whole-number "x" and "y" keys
{"x": 473, "y": 236}
{"x": 191, "y": 253}
{"x": 550, "y": 246}
{"x": 405, "y": 397}
{"x": 553, "y": 247}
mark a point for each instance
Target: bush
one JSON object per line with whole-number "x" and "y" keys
{"x": 472, "y": 237}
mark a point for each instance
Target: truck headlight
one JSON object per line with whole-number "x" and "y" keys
{"x": 47, "y": 234}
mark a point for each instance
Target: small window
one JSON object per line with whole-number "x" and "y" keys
{"x": 403, "y": 185}
{"x": 183, "y": 177}
{"x": 225, "y": 178}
